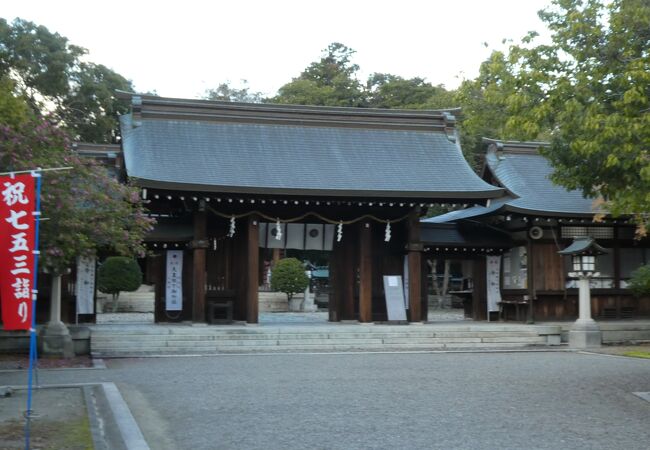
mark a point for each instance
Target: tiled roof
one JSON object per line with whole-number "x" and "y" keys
{"x": 283, "y": 149}
{"x": 520, "y": 168}
{"x": 525, "y": 174}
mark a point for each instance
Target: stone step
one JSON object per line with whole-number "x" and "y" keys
{"x": 216, "y": 349}
{"x": 152, "y": 346}
{"x": 225, "y": 331}
{"x": 126, "y": 340}
{"x": 247, "y": 340}
{"x": 308, "y": 338}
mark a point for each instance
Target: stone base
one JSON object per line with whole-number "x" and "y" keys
{"x": 55, "y": 340}
{"x": 585, "y": 338}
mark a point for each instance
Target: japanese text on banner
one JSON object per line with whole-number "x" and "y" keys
{"x": 17, "y": 199}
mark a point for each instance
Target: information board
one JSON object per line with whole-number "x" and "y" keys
{"x": 394, "y": 293}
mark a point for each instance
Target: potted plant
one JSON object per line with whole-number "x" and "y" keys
{"x": 117, "y": 274}
{"x": 289, "y": 276}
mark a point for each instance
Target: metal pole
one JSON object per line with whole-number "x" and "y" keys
{"x": 52, "y": 169}
{"x": 32, "y": 330}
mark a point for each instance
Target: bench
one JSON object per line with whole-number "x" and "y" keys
{"x": 516, "y": 304}
{"x": 220, "y": 306}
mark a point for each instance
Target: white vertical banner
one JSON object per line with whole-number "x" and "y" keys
{"x": 493, "y": 288}
{"x": 85, "y": 288}
{"x": 174, "y": 284}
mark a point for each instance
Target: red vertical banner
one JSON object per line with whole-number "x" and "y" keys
{"x": 17, "y": 204}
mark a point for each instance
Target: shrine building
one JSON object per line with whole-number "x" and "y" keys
{"x": 231, "y": 183}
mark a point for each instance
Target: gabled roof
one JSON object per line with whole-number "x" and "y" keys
{"x": 296, "y": 150}
{"x": 525, "y": 174}
{"x": 584, "y": 245}
{"x": 495, "y": 206}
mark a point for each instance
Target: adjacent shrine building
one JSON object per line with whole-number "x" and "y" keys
{"x": 227, "y": 181}
{"x": 541, "y": 219}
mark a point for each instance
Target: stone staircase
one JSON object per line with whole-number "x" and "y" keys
{"x": 152, "y": 340}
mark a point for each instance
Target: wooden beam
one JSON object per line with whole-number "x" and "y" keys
{"x": 199, "y": 245}
{"x": 252, "y": 270}
{"x": 365, "y": 272}
{"x": 414, "y": 248}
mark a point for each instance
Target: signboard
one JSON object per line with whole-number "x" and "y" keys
{"x": 17, "y": 204}
{"x": 85, "y": 289}
{"x": 493, "y": 288}
{"x": 174, "y": 285}
{"x": 394, "y": 292}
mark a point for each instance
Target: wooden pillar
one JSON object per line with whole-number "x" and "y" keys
{"x": 334, "y": 301}
{"x": 365, "y": 272}
{"x": 348, "y": 280}
{"x": 414, "y": 248}
{"x": 532, "y": 291}
{"x": 199, "y": 246}
{"x": 479, "y": 292}
{"x": 252, "y": 269}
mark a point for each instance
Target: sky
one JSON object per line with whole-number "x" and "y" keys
{"x": 180, "y": 49}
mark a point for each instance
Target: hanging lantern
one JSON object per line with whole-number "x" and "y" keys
{"x": 231, "y": 231}
{"x": 278, "y": 230}
{"x": 339, "y": 231}
{"x": 387, "y": 234}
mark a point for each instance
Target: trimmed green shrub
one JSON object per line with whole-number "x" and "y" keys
{"x": 289, "y": 276}
{"x": 117, "y": 274}
{"x": 640, "y": 281}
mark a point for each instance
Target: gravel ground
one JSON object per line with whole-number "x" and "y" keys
{"x": 560, "y": 400}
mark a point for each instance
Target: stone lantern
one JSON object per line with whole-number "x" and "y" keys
{"x": 585, "y": 332}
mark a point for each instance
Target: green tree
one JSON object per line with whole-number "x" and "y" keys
{"x": 289, "y": 276}
{"x": 13, "y": 109}
{"x": 118, "y": 274}
{"x": 640, "y": 281}
{"x": 41, "y": 61}
{"x": 48, "y": 72}
{"x": 600, "y": 95}
{"x": 487, "y": 104}
{"x": 589, "y": 89}
{"x": 87, "y": 210}
{"x": 90, "y": 109}
{"x": 226, "y": 93}
{"x": 331, "y": 81}
{"x": 384, "y": 90}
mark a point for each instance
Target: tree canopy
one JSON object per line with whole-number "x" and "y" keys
{"x": 87, "y": 210}
{"x": 226, "y": 93}
{"x": 49, "y": 72}
{"x": 333, "y": 80}
{"x": 330, "y": 81}
{"x": 588, "y": 91}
